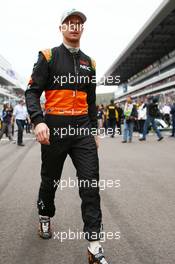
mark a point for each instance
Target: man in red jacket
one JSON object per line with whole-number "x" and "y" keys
{"x": 67, "y": 76}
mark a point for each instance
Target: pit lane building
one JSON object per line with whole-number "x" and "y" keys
{"x": 12, "y": 86}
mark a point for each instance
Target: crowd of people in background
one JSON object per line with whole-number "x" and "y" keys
{"x": 139, "y": 116}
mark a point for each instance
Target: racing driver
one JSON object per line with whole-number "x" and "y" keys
{"x": 69, "y": 102}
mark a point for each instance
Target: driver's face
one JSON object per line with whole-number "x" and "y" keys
{"x": 72, "y": 28}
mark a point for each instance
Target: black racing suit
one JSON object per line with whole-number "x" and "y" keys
{"x": 68, "y": 104}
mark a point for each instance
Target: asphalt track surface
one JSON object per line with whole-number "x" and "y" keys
{"x": 142, "y": 209}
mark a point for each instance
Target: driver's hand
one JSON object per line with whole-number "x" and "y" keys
{"x": 97, "y": 141}
{"x": 42, "y": 133}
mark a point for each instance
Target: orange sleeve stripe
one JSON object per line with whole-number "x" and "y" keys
{"x": 30, "y": 82}
{"x": 93, "y": 62}
{"x": 47, "y": 54}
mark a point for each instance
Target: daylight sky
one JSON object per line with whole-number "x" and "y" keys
{"x": 29, "y": 26}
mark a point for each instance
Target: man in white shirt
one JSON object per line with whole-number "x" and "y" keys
{"x": 141, "y": 116}
{"x": 20, "y": 114}
{"x": 166, "y": 114}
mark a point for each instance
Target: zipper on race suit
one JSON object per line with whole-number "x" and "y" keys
{"x": 75, "y": 63}
{"x": 76, "y": 74}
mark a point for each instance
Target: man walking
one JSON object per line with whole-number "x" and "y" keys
{"x": 70, "y": 102}
{"x": 152, "y": 114}
{"x": 20, "y": 114}
{"x": 173, "y": 119}
{"x": 141, "y": 116}
{"x": 112, "y": 116}
{"x": 7, "y": 113}
{"x": 130, "y": 115}
{"x": 120, "y": 117}
{"x": 166, "y": 114}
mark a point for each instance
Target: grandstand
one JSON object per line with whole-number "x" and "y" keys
{"x": 147, "y": 65}
{"x": 11, "y": 84}
{"x": 104, "y": 98}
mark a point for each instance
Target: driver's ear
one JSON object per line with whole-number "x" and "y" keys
{"x": 60, "y": 28}
{"x": 82, "y": 28}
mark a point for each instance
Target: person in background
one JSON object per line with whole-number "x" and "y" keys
{"x": 6, "y": 122}
{"x": 141, "y": 116}
{"x": 112, "y": 116}
{"x": 166, "y": 114}
{"x": 0, "y": 121}
{"x": 173, "y": 119}
{"x": 120, "y": 116}
{"x": 152, "y": 113}
{"x": 130, "y": 115}
{"x": 20, "y": 115}
{"x": 28, "y": 126}
{"x": 100, "y": 116}
{"x": 105, "y": 121}
{"x": 12, "y": 121}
